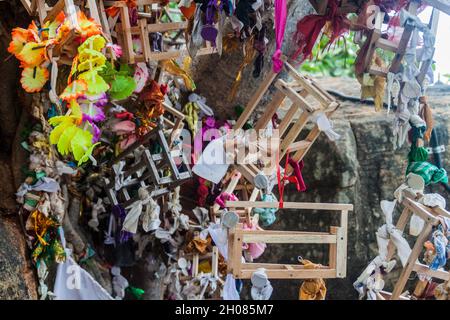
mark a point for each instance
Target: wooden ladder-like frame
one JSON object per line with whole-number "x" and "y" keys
{"x": 296, "y": 91}
{"x": 336, "y": 238}
{"x": 375, "y": 41}
{"x": 430, "y": 216}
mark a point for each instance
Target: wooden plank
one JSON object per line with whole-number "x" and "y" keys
{"x": 41, "y": 10}
{"x": 291, "y": 205}
{"x": 373, "y": 38}
{"x": 307, "y": 86}
{"x": 424, "y": 269}
{"x": 303, "y": 144}
{"x": 420, "y": 210}
{"x": 294, "y": 96}
{"x": 408, "y": 268}
{"x": 441, "y": 5}
{"x": 332, "y": 252}
{"x": 215, "y": 261}
{"x": 406, "y": 36}
{"x": 284, "y": 124}
{"x": 234, "y": 180}
{"x": 440, "y": 211}
{"x": 156, "y": 56}
{"x": 287, "y": 237}
{"x": 246, "y": 172}
{"x": 104, "y": 21}
{"x": 401, "y": 224}
{"x": 237, "y": 250}
{"x": 387, "y": 295}
{"x": 293, "y": 133}
{"x": 164, "y": 27}
{"x": 195, "y": 260}
{"x": 386, "y": 44}
{"x": 27, "y": 5}
{"x": 300, "y": 154}
{"x": 341, "y": 253}
{"x": 270, "y": 110}
{"x": 378, "y": 71}
{"x": 144, "y": 39}
{"x": 93, "y": 10}
{"x": 254, "y": 101}
{"x": 138, "y": 3}
{"x": 127, "y": 39}
{"x": 289, "y": 274}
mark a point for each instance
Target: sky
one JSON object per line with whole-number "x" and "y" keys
{"x": 442, "y": 53}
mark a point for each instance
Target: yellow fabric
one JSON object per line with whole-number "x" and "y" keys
{"x": 205, "y": 266}
{"x": 174, "y": 69}
{"x": 191, "y": 110}
{"x": 198, "y": 245}
{"x": 250, "y": 54}
{"x": 39, "y": 223}
{"x": 427, "y": 115}
{"x": 312, "y": 289}
{"x": 375, "y": 91}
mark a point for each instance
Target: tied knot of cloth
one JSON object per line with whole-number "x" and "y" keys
{"x": 119, "y": 178}
{"x": 150, "y": 219}
{"x": 312, "y": 289}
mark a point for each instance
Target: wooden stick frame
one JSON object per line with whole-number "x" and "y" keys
{"x": 431, "y": 218}
{"x": 196, "y": 258}
{"x": 296, "y": 91}
{"x": 146, "y": 172}
{"x": 147, "y": 26}
{"x": 336, "y": 238}
{"x": 374, "y": 41}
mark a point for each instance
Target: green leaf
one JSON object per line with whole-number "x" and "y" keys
{"x": 122, "y": 87}
{"x": 126, "y": 69}
{"x": 80, "y": 143}
{"x": 65, "y": 139}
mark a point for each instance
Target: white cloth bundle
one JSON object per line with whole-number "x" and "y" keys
{"x": 150, "y": 220}
{"x": 229, "y": 289}
{"x": 325, "y": 125}
{"x": 212, "y": 164}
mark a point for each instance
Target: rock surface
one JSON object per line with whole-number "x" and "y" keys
{"x": 17, "y": 279}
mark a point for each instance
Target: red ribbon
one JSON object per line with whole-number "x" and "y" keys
{"x": 297, "y": 178}
{"x": 124, "y": 115}
{"x": 309, "y": 28}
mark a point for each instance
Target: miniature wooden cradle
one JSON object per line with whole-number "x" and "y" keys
{"x": 336, "y": 238}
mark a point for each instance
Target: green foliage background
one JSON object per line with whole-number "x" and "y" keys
{"x": 336, "y": 60}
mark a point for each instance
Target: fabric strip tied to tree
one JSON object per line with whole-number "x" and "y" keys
{"x": 280, "y": 26}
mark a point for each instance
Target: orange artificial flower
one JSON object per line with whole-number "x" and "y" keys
{"x": 34, "y": 78}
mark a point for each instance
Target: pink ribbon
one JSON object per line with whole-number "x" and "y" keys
{"x": 224, "y": 197}
{"x": 280, "y": 26}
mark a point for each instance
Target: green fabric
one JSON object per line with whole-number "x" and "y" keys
{"x": 136, "y": 292}
{"x": 418, "y": 154}
{"x": 429, "y": 172}
{"x": 266, "y": 215}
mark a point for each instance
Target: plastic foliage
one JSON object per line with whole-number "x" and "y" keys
{"x": 122, "y": 83}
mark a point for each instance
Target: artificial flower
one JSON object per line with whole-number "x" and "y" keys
{"x": 34, "y": 78}
{"x": 74, "y": 90}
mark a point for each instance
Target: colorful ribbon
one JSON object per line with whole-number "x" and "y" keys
{"x": 280, "y": 26}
